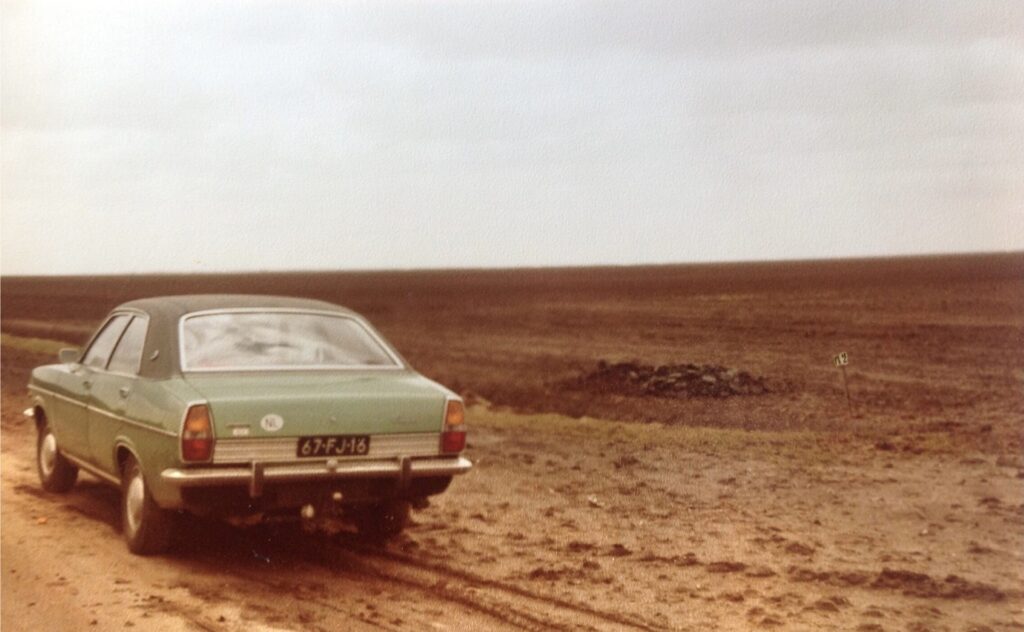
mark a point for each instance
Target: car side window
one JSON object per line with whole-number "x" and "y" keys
{"x": 99, "y": 351}
{"x": 128, "y": 355}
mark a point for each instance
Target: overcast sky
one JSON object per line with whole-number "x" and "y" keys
{"x": 146, "y": 136}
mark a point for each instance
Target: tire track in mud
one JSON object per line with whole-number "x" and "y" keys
{"x": 507, "y": 603}
{"x": 181, "y": 611}
{"x": 161, "y": 597}
{"x": 355, "y": 620}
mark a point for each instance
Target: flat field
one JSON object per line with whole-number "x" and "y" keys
{"x": 660, "y": 447}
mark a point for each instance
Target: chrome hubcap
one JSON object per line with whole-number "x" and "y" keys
{"x": 48, "y": 454}
{"x": 133, "y": 499}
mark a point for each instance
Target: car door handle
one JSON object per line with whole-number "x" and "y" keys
{"x": 87, "y": 384}
{"x": 124, "y": 390}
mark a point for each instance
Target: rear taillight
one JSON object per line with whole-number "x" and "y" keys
{"x": 197, "y": 434}
{"x": 453, "y": 441}
{"x": 453, "y": 438}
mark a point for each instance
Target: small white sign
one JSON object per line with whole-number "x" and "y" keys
{"x": 272, "y": 422}
{"x": 842, "y": 359}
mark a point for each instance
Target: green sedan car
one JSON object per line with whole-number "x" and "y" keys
{"x": 245, "y": 406}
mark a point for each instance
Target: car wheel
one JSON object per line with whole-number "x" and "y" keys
{"x": 55, "y": 472}
{"x": 382, "y": 521}
{"x": 146, "y": 527}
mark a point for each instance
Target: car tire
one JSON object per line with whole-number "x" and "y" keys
{"x": 56, "y": 473}
{"x": 382, "y": 521}
{"x": 146, "y": 527}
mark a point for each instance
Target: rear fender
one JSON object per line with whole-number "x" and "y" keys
{"x": 149, "y": 459}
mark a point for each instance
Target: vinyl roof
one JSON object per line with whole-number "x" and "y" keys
{"x": 161, "y": 350}
{"x": 178, "y": 306}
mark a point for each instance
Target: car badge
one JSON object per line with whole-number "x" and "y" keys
{"x": 239, "y": 431}
{"x": 272, "y": 422}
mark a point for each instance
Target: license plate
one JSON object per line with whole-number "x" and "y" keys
{"x": 336, "y": 445}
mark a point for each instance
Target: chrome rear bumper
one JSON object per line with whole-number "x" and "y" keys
{"x": 256, "y": 474}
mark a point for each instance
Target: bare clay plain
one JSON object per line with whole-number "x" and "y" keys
{"x": 655, "y": 448}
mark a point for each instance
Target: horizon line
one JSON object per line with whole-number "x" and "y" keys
{"x": 584, "y": 266}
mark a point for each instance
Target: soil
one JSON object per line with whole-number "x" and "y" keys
{"x": 669, "y": 380}
{"x": 604, "y": 496}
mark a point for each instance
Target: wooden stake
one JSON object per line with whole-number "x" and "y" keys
{"x": 846, "y": 387}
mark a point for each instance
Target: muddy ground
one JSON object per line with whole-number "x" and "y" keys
{"x": 660, "y": 448}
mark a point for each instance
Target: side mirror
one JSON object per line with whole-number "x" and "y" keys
{"x": 68, "y": 355}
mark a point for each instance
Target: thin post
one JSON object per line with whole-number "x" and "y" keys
{"x": 846, "y": 387}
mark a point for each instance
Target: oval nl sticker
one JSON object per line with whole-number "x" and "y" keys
{"x": 272, "y": 423}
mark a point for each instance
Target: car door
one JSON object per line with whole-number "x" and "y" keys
{"x": 72, "y": 426}
{"x": 112, "y": 390}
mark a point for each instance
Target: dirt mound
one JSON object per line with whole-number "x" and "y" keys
{"x": 670, "y": 380}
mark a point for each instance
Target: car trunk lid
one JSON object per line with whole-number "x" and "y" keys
{"x": 303, "y": 403}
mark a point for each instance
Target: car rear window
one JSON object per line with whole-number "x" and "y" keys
{"x": 227, "y": 341}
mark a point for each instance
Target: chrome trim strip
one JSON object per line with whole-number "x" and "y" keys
{"x": 398, "y": 364}
{"x": 432, "y": 466}
{"x": 92, "y": 469}
{"x": 90, "y": 408}
{"x": 282, "y": 449}
{"x": 46, "y": 391}
{"x": 131, "y": 422}
{"x": 436, "y": 467}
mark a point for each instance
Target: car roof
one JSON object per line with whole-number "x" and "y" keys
{"x": 179, "y": 305}
{"x": 161, "y": 351}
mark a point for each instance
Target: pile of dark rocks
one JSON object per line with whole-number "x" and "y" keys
{"x": 670, "y": 380}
